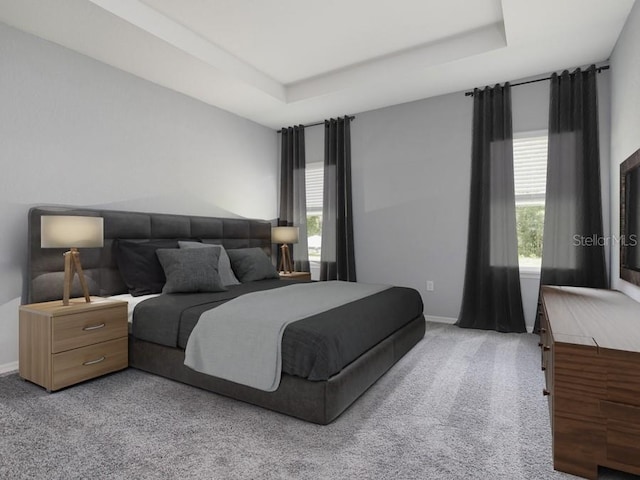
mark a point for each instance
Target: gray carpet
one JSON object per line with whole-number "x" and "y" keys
{"x": 463, "y": 404}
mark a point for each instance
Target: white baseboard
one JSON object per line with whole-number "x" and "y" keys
{"x": 434, "y": 318}
{"x": 451, "y": 321}
{"x": 8, "y": 368}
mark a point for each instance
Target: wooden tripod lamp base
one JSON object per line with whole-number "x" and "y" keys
{"x": 71, "y": 267}
{"x": 286, "y": 265}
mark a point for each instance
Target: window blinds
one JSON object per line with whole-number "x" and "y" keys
{"x": 530, "y": 168}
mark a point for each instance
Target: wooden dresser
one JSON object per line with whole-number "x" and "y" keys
{"x": 63, "y": 345}
{"x": 590, "y": 343}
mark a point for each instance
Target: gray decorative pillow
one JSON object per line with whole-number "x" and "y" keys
{"x": 251, "y": 264}
{"x": 190, "y": 270}
{"x": 224, "y": 264}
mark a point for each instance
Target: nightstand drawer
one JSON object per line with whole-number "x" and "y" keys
{"x": 88, "y": 362}
{"x": 87, "y": 328}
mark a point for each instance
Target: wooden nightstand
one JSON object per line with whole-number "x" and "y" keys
{"x": 63, "y": 345}
{"x": 302, "y": 276}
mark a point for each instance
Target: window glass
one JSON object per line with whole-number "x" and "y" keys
{"x": 314, "y": 173}
{"x": 530, "y": 180}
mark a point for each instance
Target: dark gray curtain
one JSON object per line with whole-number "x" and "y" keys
{"x": 337, "y": 259}
{"x": 573, "y": 250}
{"x": 293, "y": 198}
{"x": 492, "y": 298}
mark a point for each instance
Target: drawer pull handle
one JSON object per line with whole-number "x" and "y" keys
{"x": 543, "y": 368}
{"x": 546, "y": 392}
{"x": 543, "y": 330}
{"x": 95, "y": 327}
{"x": 540, "y": 344}
{"x": 93, "y": 362}
{"x": 546, "y": 349}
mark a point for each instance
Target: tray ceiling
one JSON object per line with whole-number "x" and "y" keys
{"x": 280, "y": 62}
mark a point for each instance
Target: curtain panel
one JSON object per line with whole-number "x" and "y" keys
{"x": 573, "y": 245}
{"x": 492, "y": 299}
{"x": 337, "y": 258}
{"x": 293, "y": 201}
{"x": 573, "y": 211}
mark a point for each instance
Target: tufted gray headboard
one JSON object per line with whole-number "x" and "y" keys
{"x": 46, "y": 266}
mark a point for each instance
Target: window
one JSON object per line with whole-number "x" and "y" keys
{"x": 314, "y": 173}
{"x": 530, "y": 180}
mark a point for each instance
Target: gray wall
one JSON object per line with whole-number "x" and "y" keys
{"x": 411, "y": 181}
{"x": 411, "y": 178}
{"x": 78, "y": 132}
{"x": 625, "y": 125}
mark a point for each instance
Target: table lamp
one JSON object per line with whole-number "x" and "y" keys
{"x": 72, "y": 232}
{"x": 285, "y": 236}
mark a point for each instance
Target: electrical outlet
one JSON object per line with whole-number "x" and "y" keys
{"x": 429, "y": 286}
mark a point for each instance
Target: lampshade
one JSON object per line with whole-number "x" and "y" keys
{"x": 284, "y": 234}
{"x": 64, "y": 231}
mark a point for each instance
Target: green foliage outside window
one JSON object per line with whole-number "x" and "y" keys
{"x": 314, "y": 225}
{"x": 530, "y": 226}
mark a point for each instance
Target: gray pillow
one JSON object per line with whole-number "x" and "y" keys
{"x": 251, "y": 264}
{"x": 190, "y": 270}
{"x": 224, "y": 264}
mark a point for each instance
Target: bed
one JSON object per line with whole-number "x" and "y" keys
{"x": 316, "y": 392}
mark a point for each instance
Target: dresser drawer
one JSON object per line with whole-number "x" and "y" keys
{"x": 623, "y": 377}
{"x": 545, "y": 340}
{"x": 87, "y": 362}
{"x": 620, "y": 412}
{"x": 623, "y": 432}
{"x": 623, "y": 442}
{"x": 87, "y": 328}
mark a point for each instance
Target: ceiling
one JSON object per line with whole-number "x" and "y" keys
{"x": 284, "y": 62}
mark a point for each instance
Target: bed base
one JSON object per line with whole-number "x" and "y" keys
{"x": 317, "y": 402}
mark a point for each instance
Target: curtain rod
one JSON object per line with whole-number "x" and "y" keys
{"x": 598, "y": 70}
{"x": 351, "y": 117}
